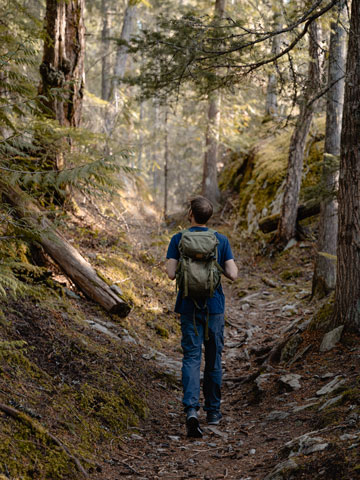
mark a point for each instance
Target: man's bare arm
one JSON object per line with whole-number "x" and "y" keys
{"x": 231, "y": 270}
{"x": 171, "y": 265}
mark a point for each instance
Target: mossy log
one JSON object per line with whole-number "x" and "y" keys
{"x": 269, "y": 224}
{"x": 65, "y": 255}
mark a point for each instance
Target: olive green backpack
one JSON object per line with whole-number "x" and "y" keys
{"x": 198, "y": 272}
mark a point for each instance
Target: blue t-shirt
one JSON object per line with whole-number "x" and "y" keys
{"x": 216, "y": 304}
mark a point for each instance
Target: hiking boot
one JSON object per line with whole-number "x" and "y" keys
{"x": 213, "y": 418}
{"x": 192, "y": 424}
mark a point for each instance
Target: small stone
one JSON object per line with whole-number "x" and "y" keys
{"x": 245, "y": 307}
{"x": 174, "y": 438}
{"x": 71, "y": 294}
{"x": 129, "y": 339}
{"x": 277, "y": 415}
{"x": 327, "y": 375}
{"x": 213, "y": 445}
{"x": 252, "y": 451}
{"x": 290, "y": 244}
{"x": 300, "y": 408}
{"x": 290, "y": 381}
{"x": 282, "y": 470}
{"x": 330, "y": 339}
{"x": 135, "y": 436}
{"x": 348, "y": 436}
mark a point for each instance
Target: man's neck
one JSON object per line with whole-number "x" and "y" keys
{"x": 194, "y": 224}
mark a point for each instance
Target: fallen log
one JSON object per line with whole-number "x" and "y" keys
{"x": 65, "y": 255}
{"x": 269, "y": 224}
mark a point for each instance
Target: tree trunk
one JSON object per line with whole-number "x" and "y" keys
{"x": 63, "y": 62}
{"x": 271, "y": 106}
{"x": 65, "y": 255}
{"x": 287, "y": 224}
{"x": 269, "y": 224}
{"x": 324, "y": 279}
{"x": 122, "y": 51}
{"x": 166, "y": 164}
{"x": 347, "y": 292}
{"x": 105, "y": 60}
{"x": 210, "y": 187}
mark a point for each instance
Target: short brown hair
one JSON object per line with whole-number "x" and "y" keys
{"x": 201, "y": 208}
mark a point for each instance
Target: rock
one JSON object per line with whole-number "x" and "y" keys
{"x": 269, "y": 282}
{"x": 217, "y": 432}
{"x": 352, "y": 419}
{"x": 337, "y": 382}
{"x": 331, "y": 339}
{"x": 282, "y": 470}
{"x": 305, "y": 445}
{"x": 71, "y": 294}
{"x": 291, "y": 243}
{"x": 277, "y": 415}
{"x": 330, "y": 402}
{"x": 300, "y": 408}
{"x": 252, "y": 451}
{"x": 348, "y": 436}
{"x": 290, "y": 381}
{"x": 327, "y": 375}
{"x": 262, "y": 380}
{"x": 174, "y": 438}
{"x": 245, "y": 307}
{"x": 135, "y": 436}
{"x": 129, "y": 339}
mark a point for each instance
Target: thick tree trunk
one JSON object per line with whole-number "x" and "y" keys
{"x": 347, "y": 292}
{"x": 287, "y": 224}
{"x": 324, "y": 279}
{"x": 210, "y": 187}
{"x": 105, "y": 60}
{"x": 65, "y": 255}
{"x": 63, "y": 62}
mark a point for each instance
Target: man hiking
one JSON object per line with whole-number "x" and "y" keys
{"x": 196, "y": 257}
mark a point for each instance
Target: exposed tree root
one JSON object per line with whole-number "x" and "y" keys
{"x": 22, "y": 417}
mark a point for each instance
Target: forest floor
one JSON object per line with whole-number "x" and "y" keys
{"x": 261, "y": 414}
{"x": 262, "y": 409}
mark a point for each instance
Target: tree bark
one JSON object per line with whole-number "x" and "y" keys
{"x": 122, "y": 51}
{"x": 166, "y": 163}
{"x": 64, "y": 254}
{"x": 271, "y": 105}
{"x": 210, "y": 187}
{"x": 269, "y": 224}
{"x": 105, "y": 60}
{"x": 324, "y": 279}
{"x": 62, "y": 66}
{"x": 287, "y": 224}
{"x": 347, "y": 292}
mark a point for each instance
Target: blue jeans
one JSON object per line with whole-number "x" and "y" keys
{"x": 192, "y": 347}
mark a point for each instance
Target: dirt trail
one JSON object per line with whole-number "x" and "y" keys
{"x": 246, "y": 443}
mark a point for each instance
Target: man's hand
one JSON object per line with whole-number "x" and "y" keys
{"x": 171, "y": 265}
{"x": 230, "y": 270}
